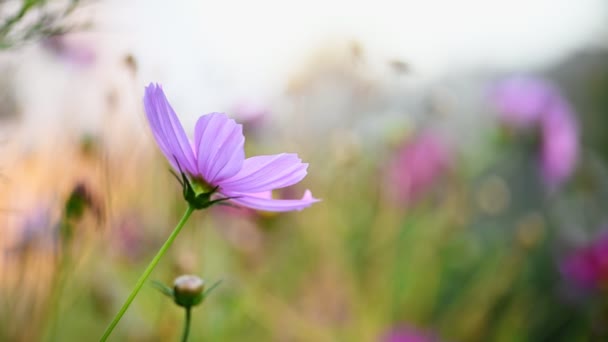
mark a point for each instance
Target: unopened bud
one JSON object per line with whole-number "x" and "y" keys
{"x": 188, "y": 290}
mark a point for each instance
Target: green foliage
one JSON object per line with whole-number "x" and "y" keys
{"x": 34, "y": 19}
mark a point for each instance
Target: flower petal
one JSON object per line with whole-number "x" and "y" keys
{"x": 264, "y": 201}
{"x": 167, "y": 130}
{"x": 560, "y": 144}
{"x": 521, "y": 101}
{"x": 219, "y": 144}
{"x": 263, "y": 173}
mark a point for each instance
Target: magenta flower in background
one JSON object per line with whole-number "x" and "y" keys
{"x": 526, "y": 102}
{"x": 417, "y": 166}
{"x": 215, "y": 159}
{"x": 587, "y": 267}
{"x": 408, "y": 334}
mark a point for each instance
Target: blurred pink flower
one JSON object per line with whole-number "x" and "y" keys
{"x": 408, "y": 334}
{"x": 559, "y": 145}
{"x": 527, "y": 102}
{"x": 521, "y": 101}
{"x": 417, "y": 166}
{"x": 587, "y": 267}
{"x": 128, "y": 237}
{"x": 71, "y": 49}
{"x": 251, "y": 114}
{"x": 37, "y": 228}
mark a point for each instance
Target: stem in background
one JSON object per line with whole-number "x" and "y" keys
{"x": 186, "y": 325}
{"x": 8, "y": 24}
{"x": 56, "y": 293}
{"x": 142, "y": 279}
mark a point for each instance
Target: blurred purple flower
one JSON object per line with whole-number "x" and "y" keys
{"x": 216, "y": 158}
{"x": 526, "y": 102}
{"x": 252, "y": 114}
{"x": 37, "y": 229}
{"x": 417, "y": 167}
{"x": 128, "y": 237}
{"x": 559, "y": 149}
{"x": 521, "y": 101}
{"x": 70, "y": 49}
{"x": 587, "y": 267}
{"x": 408, "y": 334}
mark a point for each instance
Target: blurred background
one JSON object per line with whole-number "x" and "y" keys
{"x": 459, "y": 148}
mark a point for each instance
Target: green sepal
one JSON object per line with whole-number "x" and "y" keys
{"x": 184, "y": 300}
{"x": 196, "y": 199}
{"x": 162, "y": 288}
{"x": 208, "y": 291}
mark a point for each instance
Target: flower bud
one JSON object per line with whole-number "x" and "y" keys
{"x": 188, "y": 290}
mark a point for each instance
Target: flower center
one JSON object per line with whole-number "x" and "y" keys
{"x": 200, "y": 186}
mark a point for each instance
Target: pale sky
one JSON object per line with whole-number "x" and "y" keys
{"x": 213, "y": 54}
{"x": 234, "y": 48}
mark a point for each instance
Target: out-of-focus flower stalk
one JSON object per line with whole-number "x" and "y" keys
{"x": 80, "y": 200}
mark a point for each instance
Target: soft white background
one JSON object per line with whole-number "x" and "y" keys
{"x": 212, "y": 54}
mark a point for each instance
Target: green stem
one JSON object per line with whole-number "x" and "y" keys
{"x": 186, "y": 325}
{"x": 56, "y": 294}
{"x": 142, "y": 279}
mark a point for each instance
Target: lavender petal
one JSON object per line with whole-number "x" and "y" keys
{"x": 265, "y": 202}
{"x": 263, "y": 173}
{"x": 219, "y": 144}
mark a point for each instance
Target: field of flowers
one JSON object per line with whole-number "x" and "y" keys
{"x": 358, "y": 203}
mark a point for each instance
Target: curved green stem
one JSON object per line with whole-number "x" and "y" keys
{"x": 142, "y": 279}
{"x": 186, "y": 325}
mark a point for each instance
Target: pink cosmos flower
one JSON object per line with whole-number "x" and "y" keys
{"x": 521, "y": 101}
{"x": 559, "y": 145}
{"x": 417, "y": 166}
{"x": 527, "y": 102}
{"x": 215, "y": 160}
{"x": 587, "y": 267}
